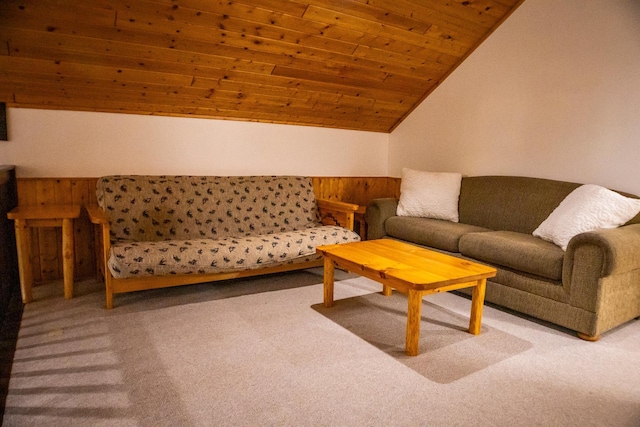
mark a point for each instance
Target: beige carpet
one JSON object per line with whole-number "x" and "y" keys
{"x": 263, "y": 352}
{"x": 382, "y": 322}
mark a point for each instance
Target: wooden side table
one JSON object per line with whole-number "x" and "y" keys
{"x": 27, "y": 217}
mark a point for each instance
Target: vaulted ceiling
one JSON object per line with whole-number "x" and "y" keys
{"x": 349, "y": 64}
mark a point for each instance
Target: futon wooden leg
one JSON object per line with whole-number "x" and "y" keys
{"x": 108, "y": 288}
{"x": 329, "y": 270}
{"x": 105, "y": 267}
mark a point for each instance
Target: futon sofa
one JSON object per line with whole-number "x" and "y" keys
{"x": 590, "y": 288}
{"x": 159, "y": 231}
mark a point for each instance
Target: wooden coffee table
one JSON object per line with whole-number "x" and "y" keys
{"x": 409, "y": 269}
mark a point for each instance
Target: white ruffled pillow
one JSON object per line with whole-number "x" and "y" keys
{"x": 429, "y": 194}
{"x": 587, "y": 208}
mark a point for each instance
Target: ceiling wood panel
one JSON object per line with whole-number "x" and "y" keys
{"x": 351, "y": 64}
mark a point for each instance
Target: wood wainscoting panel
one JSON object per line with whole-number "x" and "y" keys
{"x": 359, "y": 190}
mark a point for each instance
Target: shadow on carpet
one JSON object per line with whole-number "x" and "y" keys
{"x": 155, "y": 299}
{"x": 447, "y": 351}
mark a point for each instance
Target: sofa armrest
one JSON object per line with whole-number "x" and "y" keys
{"x": 602, "y": 266}
{"x": 337, "y": 213}
{"x": 378, "y": 211}
{"x": 617, "y": 248}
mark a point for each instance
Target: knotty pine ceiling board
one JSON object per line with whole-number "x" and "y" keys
{"x": 349, "y": 64}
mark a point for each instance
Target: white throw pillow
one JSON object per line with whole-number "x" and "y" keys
{"x": 587, "y": 208}
{"x": 429, "y": 194}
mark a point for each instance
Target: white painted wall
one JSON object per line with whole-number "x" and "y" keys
{"x": 49, "y": 143}
{"x": 553, "y": 93}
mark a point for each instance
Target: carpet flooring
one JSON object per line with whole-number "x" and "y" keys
{"x": 382, "y": 322}
{"x": 9, "y": 328}
{"x": 265, "y": 352}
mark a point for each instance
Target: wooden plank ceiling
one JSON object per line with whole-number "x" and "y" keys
{"x": 349, "y": 64}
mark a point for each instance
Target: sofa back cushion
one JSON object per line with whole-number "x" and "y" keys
{"x": 156, "y": 208}
{"x": 513, "y": 203}
{"x": 510, "y": 203}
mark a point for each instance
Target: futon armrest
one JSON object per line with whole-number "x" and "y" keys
{"x": 377, "y": 213}
{"x": 337, "y": 213}
{"x": 103, "y": 247}
{"x": 100, "y": 218}
{"x": 340, "y": 206}
{"x": 97, "y": 215}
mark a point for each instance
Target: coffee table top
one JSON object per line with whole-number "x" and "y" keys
{"x": 404, "y": 264}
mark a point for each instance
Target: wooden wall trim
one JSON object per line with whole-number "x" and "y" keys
{"x": 46, "y": 242}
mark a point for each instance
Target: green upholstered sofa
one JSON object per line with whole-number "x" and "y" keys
{"x": 159, "y": 231}
{"x": 591, "y": 288}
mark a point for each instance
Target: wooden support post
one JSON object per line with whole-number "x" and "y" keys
{"x": 106, "y": 248}
{"x": 23, "y": 243}
{"x": 477, "y": 303}
{"x": 387, "y": 290}
{"x": 68, "y": 260}
{"x": 414, "y": 317}
{"x": 329, "y": 271}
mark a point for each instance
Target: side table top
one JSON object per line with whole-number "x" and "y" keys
{"x": 45, "y": 212}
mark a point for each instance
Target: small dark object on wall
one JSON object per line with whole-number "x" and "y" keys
{"x": 3, "y": 122}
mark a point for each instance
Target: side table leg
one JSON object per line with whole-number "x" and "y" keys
{"x": 329, "y": 271}
{"x": 23, "y": 244}
{"x": 67, "y": 257}
{"x": 477, "y": 303}
{"x": 414, "y": 315}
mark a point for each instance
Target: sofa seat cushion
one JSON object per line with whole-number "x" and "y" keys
{"x": 518, "y": 251}
{"x": 202, "y": 256}
{"x": 435, "y": 233}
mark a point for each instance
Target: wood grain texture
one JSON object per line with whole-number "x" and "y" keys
{"x": 46, "y": 244}
{"x": 49, "y": 217}
{"x": 350, "y": 64}
{"x": 412, "y": 270}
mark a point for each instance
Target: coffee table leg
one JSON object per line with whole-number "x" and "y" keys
{"x": 477, "y": 302}
{"x": 387, "y": 290}
{"x": 414, "y": 315}
{"x": 329, "y": 270}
